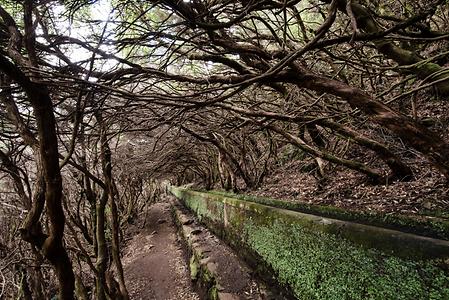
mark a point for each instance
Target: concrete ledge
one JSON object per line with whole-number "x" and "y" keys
{"x": 215, "y": 269}
{"x": 322, "y": 258}
{"x": 435, "y": 225}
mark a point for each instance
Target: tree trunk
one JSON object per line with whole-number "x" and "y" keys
{"x": 102, "y": 251}
{"x": 80, "y": 289}
{"x": 106, "y": 161}
{"x": 422, "y": 69}
{"x": 435, "y": 149}
{"x": 52, "y": 247}
{"x": 116, "y": 247}
{"x": 360, "y": 167}
{"x": 398, "y": 168}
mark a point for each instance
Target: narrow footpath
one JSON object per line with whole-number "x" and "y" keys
{"x": 153, "y": 260}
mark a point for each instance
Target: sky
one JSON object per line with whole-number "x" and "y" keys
{"x": 100, "y": 11}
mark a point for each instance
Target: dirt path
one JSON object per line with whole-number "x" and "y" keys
{"x": 154, "y": 264}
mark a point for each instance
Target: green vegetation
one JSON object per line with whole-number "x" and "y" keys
{"x": 432, "y": 227}
{"x": 104, "y": 103}
{"x": 321, "y": 266}
{"x": 311, "y": 260}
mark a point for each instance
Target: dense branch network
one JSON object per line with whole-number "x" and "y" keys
{"x": 96, "y": 111}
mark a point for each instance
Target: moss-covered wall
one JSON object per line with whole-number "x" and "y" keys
{"x": 432, "y": 224}
{"x": 320, "y": 258}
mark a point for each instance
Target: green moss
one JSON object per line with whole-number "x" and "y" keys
{"x": 193, "y": 268}
{"x": 317, "y": 265}
{"x": 213, "y": 293}
{"x": 431, "y": 227}
{"x": 314, "y": 260}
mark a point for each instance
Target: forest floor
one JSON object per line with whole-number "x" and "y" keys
{"x": 426, "y": 195}
{"x": 154, "y": 263}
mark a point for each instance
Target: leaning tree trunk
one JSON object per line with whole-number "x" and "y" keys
{"x": 399, "y": 170}
{"x": 51, "y": 245}
{"x": 374, "y": 175}
{"x": 434, "y": 148}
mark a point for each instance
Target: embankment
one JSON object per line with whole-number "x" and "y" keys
{"x": 315, "y": 257}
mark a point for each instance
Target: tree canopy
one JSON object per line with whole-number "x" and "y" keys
{"x": 102, "y": 101}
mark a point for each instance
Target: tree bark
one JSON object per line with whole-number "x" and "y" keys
{"x": 102, "y": 251}
{"x": 357, "y": 166}
{"x": 106, "y": 161}
{"x": 434, "y": 148}
{"x": 398, "y": 168}
{"x": 417, "y": 65}
{"x": 52, "y": 247}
